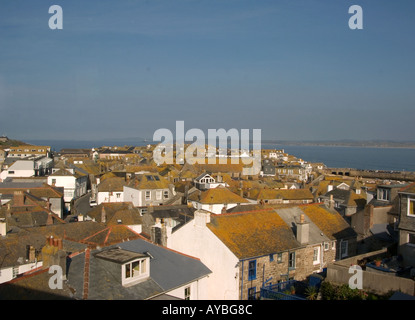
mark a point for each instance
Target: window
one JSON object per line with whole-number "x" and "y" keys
{"x": 187, "y": 293}
{"x": 291, "y": 260}
{"x": 411, "y": 239}
{"x": 343, "y": 249}
{"x": 252, "y": 270}
{"x": 411, "y": 209}
{"x": 148, "y": 195}
{"x": 271, "y": 257}
{"x": 326, "y": 246}
{"x": 118, "y": 195}
{"x": 135, "y": 269}
{"x": 251, "y": 293}
{"x": 158, "y": 194}
{"x": 384, "y": 194}
{"x": 333, "y": 245}
{"x": 11, "y": 172}
{"x": 15, "y": 271}
{"x": 316, "y": 255}
{"x": 279, "y": 257}
{"x": 166, "y": 194}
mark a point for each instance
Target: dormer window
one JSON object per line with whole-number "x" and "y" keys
{"x": 384, "y": 194}
{"x": 133, "y": 267}
{"x": 135, "y": 270}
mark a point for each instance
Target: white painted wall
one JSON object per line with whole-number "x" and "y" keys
{"x": 21, "y": 168}
{"x": 133, "y": 195}
{"x": 197, "y": 290}
{"x": 6, "y": 274}
{"x": 73, "y": 187}
{"x": 214, "y": 208}
{"x": 110, "y": 197}
{"x": 196, "y": 240}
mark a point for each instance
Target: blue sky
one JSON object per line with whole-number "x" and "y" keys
{"x": 291, "y": 68}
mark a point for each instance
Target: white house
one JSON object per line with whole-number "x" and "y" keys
{"x": 206, "y": 181}
{"x": 149, "y": 190}
{"x": 20, "y": 168}
{"x": 246, "y": 249}
{"x": 215, "y": 200}
{"x": 73, "y": 181}
{"x": 196, "y": 239}
{"x": 111, "y": 190}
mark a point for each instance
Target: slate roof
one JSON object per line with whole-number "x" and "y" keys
{"x": 216, "y": 195}
{"x": 113, "y": 184}
{"x": 168, "y": 270}
{"x": 116, "y": 211}
{"x": 272, "y": 229}
{"x": 149, "y": 181}
{"x": 292, "y": 194}
{"x": 38, "y": 189}
{"x": 329, "y": 221}
{"x": 408, "y": 189}
{"x": 253, "y": 234}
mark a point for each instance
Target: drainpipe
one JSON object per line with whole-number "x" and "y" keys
{"x": 242, "y": 282}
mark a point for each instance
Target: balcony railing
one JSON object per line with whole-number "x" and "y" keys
{"x": 288, "y": 290}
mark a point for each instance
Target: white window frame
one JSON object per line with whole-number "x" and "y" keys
{"x": 316, "y": 255}
{"x": 165, "y": 194}
{"x": 147, "y": 195}
{"x": 291, "y": 262}
{"x": 382, "y": 192}
{"x": 158, "y": 194}
{"x": 141, "y": 273}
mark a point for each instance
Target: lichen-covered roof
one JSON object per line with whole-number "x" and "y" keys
{"x": 217, "y": 195}
{"x": 254, "y": 233}
{"x": 291, "y": 194}
{"x": 330, "y": 222}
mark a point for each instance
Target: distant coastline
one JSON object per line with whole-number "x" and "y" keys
{"x": 264, "y": 142}
{"x": 344, "y": 143}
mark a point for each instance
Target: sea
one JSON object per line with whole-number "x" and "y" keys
{"x": 365, "y": 158}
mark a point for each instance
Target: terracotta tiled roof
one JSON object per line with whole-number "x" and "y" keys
{"x": 408, "y": 189}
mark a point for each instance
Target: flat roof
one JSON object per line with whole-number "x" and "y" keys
{"x": 119, "y": 255}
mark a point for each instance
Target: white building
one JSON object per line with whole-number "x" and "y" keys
{"x": 73, "y": 181}
{"x": 20, "y": 168}
{"x": 215, "y": 200}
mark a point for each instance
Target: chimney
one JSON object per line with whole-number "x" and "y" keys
{"x": 303, "y": 230}
{"x": 53, "y": 254}
{"x": 49, "y": 220}
{"x": 103, "y": 215}
{"x": 18, "y": 198}
{"x": 80, "y": 217}
{"x": 201, "y": 218}
{"x": 3, "y": 227}
{"x": 331, "y": 202}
